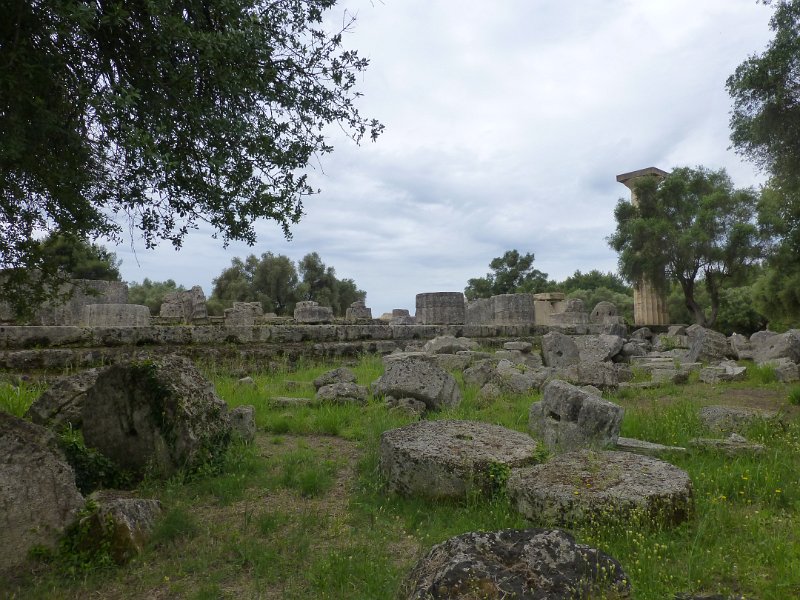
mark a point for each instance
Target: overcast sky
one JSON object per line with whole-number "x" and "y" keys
{"x": 506, "y": 125}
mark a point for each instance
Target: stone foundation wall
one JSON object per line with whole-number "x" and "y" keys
{"x": 57, "y": 348}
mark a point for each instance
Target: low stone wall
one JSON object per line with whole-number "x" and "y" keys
{"x": 56, "y": 348}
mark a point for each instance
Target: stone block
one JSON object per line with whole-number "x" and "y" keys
{"x": 441, "y": 308}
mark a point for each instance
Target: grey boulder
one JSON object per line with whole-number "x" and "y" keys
{"x": 38, "y": 495}
{"x": 525, "y": 564}
{"x": 568, "y": 418}
{"x": 416, "y": 377}
{"x": 160, "y": 414}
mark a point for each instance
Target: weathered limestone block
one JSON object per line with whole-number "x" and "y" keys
{"x": 573, "y": 314}
{"x": 408, "y": 406}
{"x": 243, "y": 314}
{"x": 559, "y": 350}
{"x": 417, "y": 377}
{"x": 529, "y": 564}
{"x": 453, "y": 362}
{"x": 37, "y": 490}
{"x": 358, "y": 311}
{"x": 531, "y": 360}
{"x": 448, "y": 344}
{"x": 186, "y": 306}
{"x": 312, "y": 312}
{"x": 741, "y": 347}
{"x": 441, "y": 308}
{"x": 601, "y": 487}
{"x": 642, "y": 447}
{"x": 340, "y": 375}
{"x": 512, "y": 309}
{"x": 546, "y": 305}
{"x": 736, "y": 419}
{"x": 569, "y": 418}
{"x": 243, "y": 422}
{"x": 288, "y": 402}
{"x": 342, "y": 393}
{"x": 123, "y": 521}
{"x": 61, "y": 404}
{"x": 733, "y": 445}
{"x": 598, "y": 348}
{"x": 725, "y": 371}
{"x": 447, "y": 459}
{"x": 785, "y": 370}
{"x": 603, "y": 311}
{"x": 706, "y": 345}
{"x": 643, "y": 333}
{"x": 781, "y": 345}
{"x": 524, "y": 347}
{"x": 83, "y": 292}
{"x": 116, "y": 315}
{"x": 162, "y": 413}
{"x": 604, "y": 375}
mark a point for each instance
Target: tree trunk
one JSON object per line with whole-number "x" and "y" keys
{"x": 687, "y": 285}
{"x": 713, "y": 292}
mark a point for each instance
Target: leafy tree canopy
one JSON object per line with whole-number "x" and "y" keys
{"x": 765, "y": 128}
{"x": 594, "y": 279}
{"x": 691, "y": 225}
{"x": 511, "y": 273}
{"x": 151, "y": 293}
{"x": 77, "y": 258}
{"x": 159, "y": 115}
{"x": 274, "y": 281}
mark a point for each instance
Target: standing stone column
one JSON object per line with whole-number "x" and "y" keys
{"x": 441, "y": 308}
{"x": 649, "y": 305}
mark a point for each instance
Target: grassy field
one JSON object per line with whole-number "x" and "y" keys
{"x": 302, "y": 512}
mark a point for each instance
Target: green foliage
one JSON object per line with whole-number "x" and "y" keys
{"x": 274, "y": 282}
{"x": 151, "y": 293}
{"x": 765, "y": 128}
{"x": 164, "y": 117}
{"x": 690, "y": 226}
{"x": 738, "y": 309}
{"x": 79, "y": 258}
{"x": 794, "y": 396}
{"x": 594, "y": 280}
{"x": 92, "y": 469}
{"x": 177, "y": 524}
{"x": 761, "y": 374}
{"x": 16, "y": 399}
{"x": 84, "y": 547}
{"x": 511, "y": 274}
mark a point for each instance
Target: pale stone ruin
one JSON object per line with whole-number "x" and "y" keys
{"x": 85, "y": 293}
{"x": 185, "y": 307}
{"x": 358, "y": 311}
{"x": 311, "y": 312}
{"x": 649, "y": 305}
{"x": 116, "y": 315}
{"x": 505, "y": 309}
{"x": 244, "y": 314}
{"x": 448, "y": 459}
{"x": 441, "y": 308}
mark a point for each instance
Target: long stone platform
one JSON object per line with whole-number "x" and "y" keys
{"x": 25, "y": 348}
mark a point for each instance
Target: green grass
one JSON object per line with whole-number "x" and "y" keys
{"x": 15, "y": 399}
{"x": 276, "y": 519}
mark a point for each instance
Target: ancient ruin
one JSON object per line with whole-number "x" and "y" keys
{"x": 649, "y": 304}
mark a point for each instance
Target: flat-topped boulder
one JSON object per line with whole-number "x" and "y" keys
{"x": 358, "y": 311}
{"x": 448, "y": 344}
{"x": 733, "y": 445}
{"x": 726, "y": 419}
{"x": 342, "y": 393}
{"x": 447, "y": 459}
{"x": 339, "y": 375}
{"x": 602, "y": 486}
{"x": 524, "y": 564}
